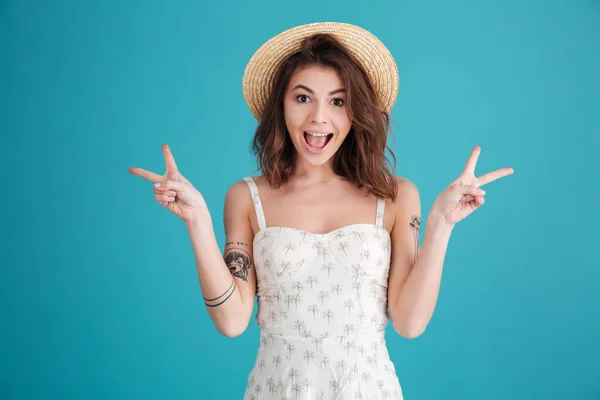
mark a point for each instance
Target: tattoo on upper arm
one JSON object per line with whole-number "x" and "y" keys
{"x": 415, "y": 224}
{"x": 238, "y": 259}
{"x": 230, "y": 291}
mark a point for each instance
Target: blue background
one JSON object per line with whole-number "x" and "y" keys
{"x": 99, "y": 295}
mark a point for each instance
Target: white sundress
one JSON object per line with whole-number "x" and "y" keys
{"x": 322, "y": 312}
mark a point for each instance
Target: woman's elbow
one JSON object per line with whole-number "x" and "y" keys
{"x": 407, "y": 332}
{"x": 233, "y": 329}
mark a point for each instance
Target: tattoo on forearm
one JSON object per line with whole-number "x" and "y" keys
{"x": 228, "y": 292}
{"x": 415, "y": 224}
{"x": 238, "y": 259}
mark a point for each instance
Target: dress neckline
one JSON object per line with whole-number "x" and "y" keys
{"x": 332, "y": 232}
{"x": 262, "y": 224}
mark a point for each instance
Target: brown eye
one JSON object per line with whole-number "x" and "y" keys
{"x": 301, "y": 96}
{"x": 341, "y": 102}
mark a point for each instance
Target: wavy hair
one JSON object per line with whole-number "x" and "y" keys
{"x": 361, "y": 158}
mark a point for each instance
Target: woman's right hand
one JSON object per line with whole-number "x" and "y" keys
{"x": 174, "y": 192}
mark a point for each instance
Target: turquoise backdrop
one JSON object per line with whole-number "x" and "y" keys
{"x": 99, "y": 297}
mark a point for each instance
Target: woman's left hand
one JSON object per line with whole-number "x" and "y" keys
{"x": 463, "y": 195}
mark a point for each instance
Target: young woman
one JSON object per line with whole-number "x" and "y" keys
{"x": 327, "y": 237}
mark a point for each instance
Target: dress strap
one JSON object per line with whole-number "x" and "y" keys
{"x": 380, "y": 212}
{"x": 260, "y": 215}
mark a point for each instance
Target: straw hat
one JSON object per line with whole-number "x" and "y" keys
{"x": 375, "y": 59}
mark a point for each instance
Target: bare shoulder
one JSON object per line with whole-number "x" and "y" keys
{"x": 405, "y": 184}
{"x": 238, "y": 199}
{"x": 261, "y": 183}
{"x": 407, "y": 191}
{"x": 238, "y": 191}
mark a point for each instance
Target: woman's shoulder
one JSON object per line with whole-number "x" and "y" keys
{"x": 241, "y": 188}
{"x": 244, "y": 181}
{"x": 239, "y": 192}
{"x": 406, "y": 189}
{"x": 405, "y": 184}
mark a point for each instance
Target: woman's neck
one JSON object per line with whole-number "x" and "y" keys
{"x": 313, "y": 174}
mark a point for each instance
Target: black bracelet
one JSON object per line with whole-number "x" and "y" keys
{"x": 217, "y": 298}
{"x": 215, "y": 305}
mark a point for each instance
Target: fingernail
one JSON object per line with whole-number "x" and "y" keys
{"x": 157, "y": 184}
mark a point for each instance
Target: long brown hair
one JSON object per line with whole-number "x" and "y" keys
{"x": 361, "y": 157}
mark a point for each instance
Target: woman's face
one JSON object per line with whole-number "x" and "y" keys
{"x": 315, "y": 113}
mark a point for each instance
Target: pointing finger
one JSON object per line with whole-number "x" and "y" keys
{"x": 169, "y": 159}
{"x": 470, "y": 166}
{"x": 492, "y": 176}
{"x": 142, "y": 173}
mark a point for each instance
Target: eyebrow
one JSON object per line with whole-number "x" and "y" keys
{"x": 309, "y": 90}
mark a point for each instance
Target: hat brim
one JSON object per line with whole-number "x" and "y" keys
{"x": 374, "y": 57}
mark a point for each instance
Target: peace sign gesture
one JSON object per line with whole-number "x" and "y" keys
{"x": 463, "y": 195}
{"x": 173, "y": 191}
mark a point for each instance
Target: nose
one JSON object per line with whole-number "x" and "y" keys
{"x": 319, "y": 113}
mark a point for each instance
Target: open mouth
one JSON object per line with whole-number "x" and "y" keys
{"x": 317, "y": 141}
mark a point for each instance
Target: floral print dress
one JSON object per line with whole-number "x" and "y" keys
{"x": 322, "y": 312}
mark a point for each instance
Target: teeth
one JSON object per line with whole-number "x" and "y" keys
{"x": 317, "y": 134}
